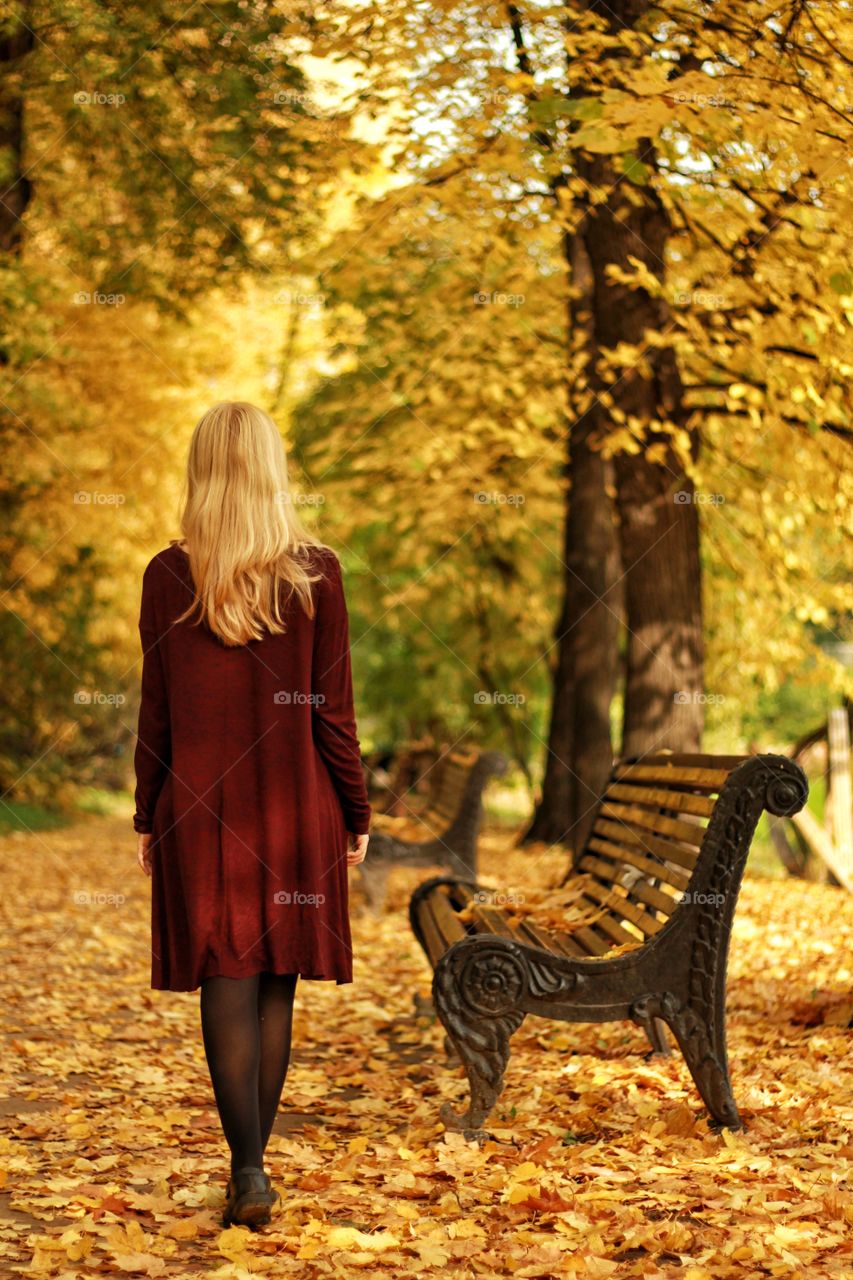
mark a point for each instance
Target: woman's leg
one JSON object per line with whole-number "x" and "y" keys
{"x": 229, "y": 1022}
{"x": 275, "y": 1016}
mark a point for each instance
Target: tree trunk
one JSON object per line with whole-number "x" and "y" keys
{"x": 658, "y": 516}
{"x": 580, "y": 753}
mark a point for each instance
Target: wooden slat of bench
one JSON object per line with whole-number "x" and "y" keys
{"x": 646, "y": 923}
{"x": 447, "y": 920}
{"x": 578, "y": 944}
{"x": 625, "y": 833}
{"x": 433, "y": 939}
{"x": 619, "y": 936}
{"x": 652, "y": 821}
{"x": 629, "y": 857}
{"x": 460, "y": 894}
{"x": 701, "y": 760}
{"x": 567, "y": 946}
{"x": 673, "y": 775}
{"x": 527, "y": 931}
{"x": 592, "y": 943}
{"x": 645, "y": 892}
{"x": 486, "y": 919}
{"x": 448, "y": 783}
{"x": 662, "y": 798}
{"x": 455, "y": 776}
{"x": 438, "y": 818}
{"x": 450, "y": 765}
{"x": 549, "y": 941}
{"x": 446, "y": 805}
{"x": 653, "y": 897}
{"x": 451, "y": 788}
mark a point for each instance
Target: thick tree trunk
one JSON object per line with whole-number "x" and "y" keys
{"x": 658, "y": 516}
{"x": 580, "y": 753}
{"x": 658, "y": 538}
{"x": 15, "y": 193}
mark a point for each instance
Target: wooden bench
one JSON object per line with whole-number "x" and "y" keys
{"x": 452, "y": 817}
{"x": 645, "y": 937}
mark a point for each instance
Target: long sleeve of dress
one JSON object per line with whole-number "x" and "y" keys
{"x": 333, "y": 714}
{"x": 154, "y": 742}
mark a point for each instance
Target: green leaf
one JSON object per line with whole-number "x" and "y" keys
{"x": 634, "y": 169}
{"x": 546, "y": 110}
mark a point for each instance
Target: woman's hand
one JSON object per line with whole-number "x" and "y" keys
{"x": 143, "y": 851}
{"x": 357, "y": 849}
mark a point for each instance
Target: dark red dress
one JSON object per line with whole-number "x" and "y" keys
{"x": 249, "y": 776}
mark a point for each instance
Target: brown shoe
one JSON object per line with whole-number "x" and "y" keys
{"x": 249, "y": 1198}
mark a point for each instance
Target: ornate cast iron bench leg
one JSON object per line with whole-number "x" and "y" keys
{"x": 656, "y": 1032}
{"x": 424, "y": 1005}
{"x": 475, "y": 990}
{"x": 702, "y": 1040}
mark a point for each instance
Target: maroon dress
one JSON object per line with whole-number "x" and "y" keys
{"x": 249, "y": 777}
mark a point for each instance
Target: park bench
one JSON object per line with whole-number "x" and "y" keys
{"x": 452, "y": 816}
{"x": 645, "y": 935}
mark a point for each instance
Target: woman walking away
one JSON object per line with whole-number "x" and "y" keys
{"x": 250, "y": 798}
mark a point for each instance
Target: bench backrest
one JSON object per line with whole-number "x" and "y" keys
{"x": 448, "y": 780}
{"x": 644, "y": 845}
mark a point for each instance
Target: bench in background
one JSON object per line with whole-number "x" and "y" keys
{"x": 453, "y": 814}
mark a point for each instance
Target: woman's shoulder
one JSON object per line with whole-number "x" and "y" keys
{"x": 166, "y": 565}
{"x": 321, "y": 558}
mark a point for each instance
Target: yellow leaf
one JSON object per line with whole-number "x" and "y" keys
{"x": 183, "y": 1229}
{"x": 522, "y": 1192}
{"x": 232, "y": 1243}
{"x": 465, "y": 1229}
{"x": 349, "y": 1237}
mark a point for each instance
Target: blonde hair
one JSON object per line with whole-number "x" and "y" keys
{"x": 242, "y": 533}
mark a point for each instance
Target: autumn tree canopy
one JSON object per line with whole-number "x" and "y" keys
{"x": 552, "y": 303}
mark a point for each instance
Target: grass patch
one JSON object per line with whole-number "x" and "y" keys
{"x": 29, "y": 817}
{"x": 108, "y": 804}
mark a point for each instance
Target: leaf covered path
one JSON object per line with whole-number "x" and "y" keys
{"x": 601, "y": 1162}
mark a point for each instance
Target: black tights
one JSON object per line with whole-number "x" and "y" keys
{"x": 246, "y": 1025}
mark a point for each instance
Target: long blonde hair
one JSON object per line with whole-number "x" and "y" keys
{"x": 242, "y": 533}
